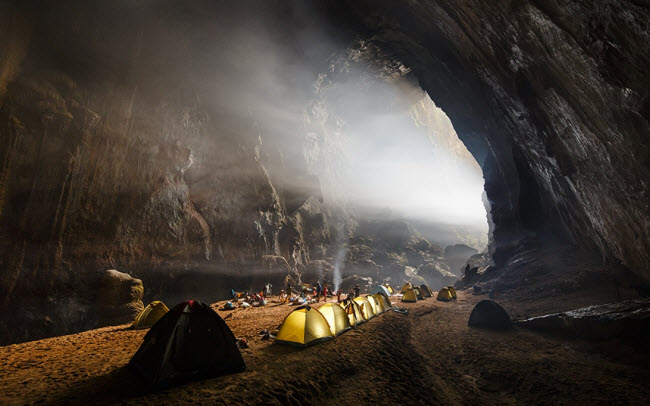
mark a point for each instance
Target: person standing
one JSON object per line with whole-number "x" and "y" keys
{"x": 325, "y": 292}
{"x": 356, "y": 291}
{"x": 319, "y": 290}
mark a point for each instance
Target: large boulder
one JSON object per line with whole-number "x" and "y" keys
{"x": 489, "y": 315}
{"x": 119, "y": 299}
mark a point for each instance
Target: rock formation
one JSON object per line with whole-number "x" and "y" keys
{"x": 114, "y": 152}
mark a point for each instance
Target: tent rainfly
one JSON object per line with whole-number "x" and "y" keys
{"x": 336, "y": 318}
{"x": 150, "y": 315}
{"x": 444, "y": 295}
{"x": 190, "y": 341}
{"x": 303, "y": 327}
{"x": 409, "y": 296}
{"x": 366, "y": 307}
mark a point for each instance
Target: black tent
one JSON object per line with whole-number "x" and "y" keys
{"x": 191, "y": 341}
{"x": 424, "y": 289}
{"x": 490, "y": 315}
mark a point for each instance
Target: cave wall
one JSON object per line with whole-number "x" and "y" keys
{"x": 115, "y": 155}
{"x": 552, "y": 99}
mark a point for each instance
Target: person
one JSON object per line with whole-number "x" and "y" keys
{"x": 338, "y": 296}
{"x": 356, "y": 291}
{"x": 325, "y": 292}
{"x": 289, "y": 290}
{"x": 351, "y": 294}
{"x": 319, "y": 289}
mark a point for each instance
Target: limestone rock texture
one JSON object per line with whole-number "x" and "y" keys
{"x": 551, "y": 97}
{"x": 120, "y": 147}
{"x": 119, "y": 299}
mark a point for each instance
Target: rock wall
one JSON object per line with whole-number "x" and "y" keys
{"x": 115, "y": 155}
{"x": 551, "y": 97}
{"x": 119, "y": 147}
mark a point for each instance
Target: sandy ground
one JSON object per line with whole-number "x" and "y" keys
{"x": 429, "y": 356}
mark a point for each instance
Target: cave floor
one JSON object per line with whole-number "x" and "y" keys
{"x": 426, "y": 357}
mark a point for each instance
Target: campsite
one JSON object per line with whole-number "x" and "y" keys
{"x": 325, "y": 202}
{"x": 428, "y": 356}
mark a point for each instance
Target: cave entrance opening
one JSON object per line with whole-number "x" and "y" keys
{"x": 397, "y": 157}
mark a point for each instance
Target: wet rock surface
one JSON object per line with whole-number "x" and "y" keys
{"x": 627, "y": 320}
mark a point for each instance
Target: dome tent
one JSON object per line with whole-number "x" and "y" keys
{"x": 375, "y": 306}
{"x": 384, "y": 301}
{"x": 150, "y": 315}
{"x": 409, "y": 296}
{"x": 444, "y": 295}
{"x": 303, "y": 327}
{"x": 391, "y": 290}
{"x": 353, "y": 311}
{"x": 490, "y": 315}
{"x": 379, "y": 302}
{"x": 406, "y": 287}
{"x": 426, "y": 292}
{"x": 188, "y": 342}
{"x": 453, "y": 292}
{"x": 380, "y": 289}
{"x": 336, "y": 318}
{"x": 418, "y": 293}
{"x": 366, "y": 307}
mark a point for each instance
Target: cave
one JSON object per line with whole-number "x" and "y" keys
{"x": 170, "y": 150}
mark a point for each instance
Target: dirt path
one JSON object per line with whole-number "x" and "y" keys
{"x": 427, "y": 357}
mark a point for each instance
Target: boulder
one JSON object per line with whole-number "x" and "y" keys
{"x": 489, "y": 315}
{"x": 119, "y": 299}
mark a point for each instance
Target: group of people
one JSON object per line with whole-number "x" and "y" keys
{"x": 318, "y": 292}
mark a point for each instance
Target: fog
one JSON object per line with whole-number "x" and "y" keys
{"x": 280, "y": 80}
{"x": 381, "y": 143}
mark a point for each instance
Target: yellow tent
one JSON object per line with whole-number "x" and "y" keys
{"x": 379, "y": 303}
{"x": 353, "y": 311}
{"x": 406, "y": 287}
{"x": 383, "y": 300}
{"x": 303, "y": 327}
{"x": 453, "y": 292}
{"x": 390, "y": 288}
{"x": 444, "y": 295}
{"x": 409, "y": 296}
{"x": 366, "y": 307}
{"x": 418, "y": 293}
{"x": 336, "y": 318}
{"x": 150, "y": 315}
{"x": 373, "y": 303}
